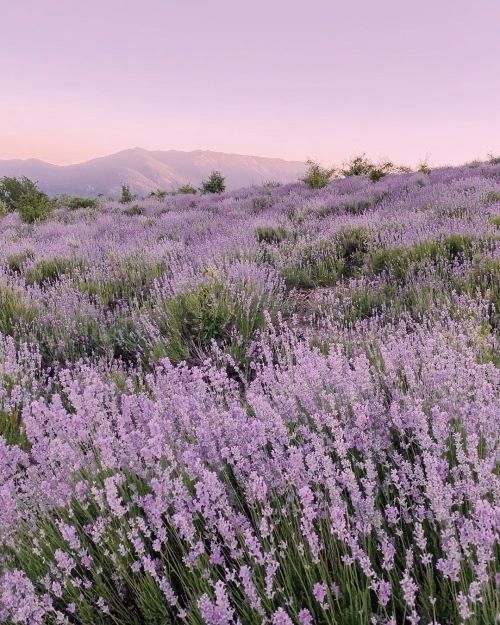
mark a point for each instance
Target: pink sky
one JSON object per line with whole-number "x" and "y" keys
{"x": 319, "y": 78}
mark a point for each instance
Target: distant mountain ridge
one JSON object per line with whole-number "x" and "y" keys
{"x": 147, "y": 170}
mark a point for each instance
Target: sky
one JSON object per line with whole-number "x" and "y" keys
{"x": 321, "y": 79}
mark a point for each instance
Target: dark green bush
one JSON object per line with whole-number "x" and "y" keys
{"x": 133, "y": 210}
{"x": 188, "y": 189}
{"x": 191, "y": 320}
{"x": 159, "y": 194}
{"x": 12, "y": 189}
{"x": 352, "y": 245}
{"x": 74, "y": 203}
{"x": 269, "y": 234}
{"x": 214, "y": 184}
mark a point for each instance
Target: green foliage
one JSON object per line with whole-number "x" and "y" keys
{"x": 485, "y": 278}
{"x": 130, "y": 279}
{"x": 326, "y": 262}
{"x": 493, "y": 160}
{"x": 33, "y": 206}
{"x": 22, "y": 195}
{"x": 188, "y": 189}
{"x": 74, "y": 203}
{"x": 391, "y": 260}
{"x": 49, "y": 270}
{"x": 495, "y": 220}
{"x": 126, "y": 195}
{"x": 159, "y": 194}
{"x": 358, "y": 207}
{"x": 400, "y": 262}
{"x": 268, "y": 234}
{"x": 11, "y": 429}
{"x": 214, "y": 184}
{"x": 12, "y": 189}
{"x": 353, "y": 245}
{"x": 361, "y": 166}
{"x": 16, "y": 262}
{"x": 491, "y": 196}
{"x": 192, "y": 319}
{"x": 133, "y": 210}
{"x": 316, "y": 176}
{"x": 357, "y": 166}
{"x": 13, "y": 310}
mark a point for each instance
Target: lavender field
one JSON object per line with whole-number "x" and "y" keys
{"x": 278, "y": 405}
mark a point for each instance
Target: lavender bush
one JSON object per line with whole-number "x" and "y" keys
{"x": 275, "y": 406}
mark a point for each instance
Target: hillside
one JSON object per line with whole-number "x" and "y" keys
{"x": 273, "y": 406}
{"x": 146, "y": 171}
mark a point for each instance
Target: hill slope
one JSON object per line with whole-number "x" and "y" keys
{"x": 146, "y": 170}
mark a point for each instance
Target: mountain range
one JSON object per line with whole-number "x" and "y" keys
{"x": 146, "y": 170}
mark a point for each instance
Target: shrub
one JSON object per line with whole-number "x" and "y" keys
{"x": 352, "y": 245}
{"x": 33, "y": 205}
{"x": 316, "y": 176}
{"x": 493, "y": 160}
{"x": 159, "y": 194}
{"x": 74, "y": 203}
{"x": 192, "y": 319}
{"x": 268, "y": 234}
{"x": 357, "y": 166}
{"x": 214, "y": 184}
{"x": 361, "y": 166}
{"x": 188, "y": 189}
{"x": 495, "y": 220}
{"x": 126, "y": 195}
{"x": 136, "y": 209}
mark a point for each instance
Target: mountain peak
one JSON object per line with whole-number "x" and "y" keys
{"x": 146, "y": 170}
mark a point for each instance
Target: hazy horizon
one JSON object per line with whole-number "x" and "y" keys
{"x": 324, "y": 80}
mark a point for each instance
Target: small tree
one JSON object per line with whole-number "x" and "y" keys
{"x": 214, "y": 184}
{"x": 11, "y": 190}
{"x": 23, "y": 195}
{"x": 317, "y": 177}
{"x": 126, "y": 195}
{"x": 33, "y": 205}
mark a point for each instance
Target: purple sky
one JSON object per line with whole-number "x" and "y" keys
{"x": 319, "y": 78}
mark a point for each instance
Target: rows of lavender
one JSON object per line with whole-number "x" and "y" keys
{"x": 272, "y": 406}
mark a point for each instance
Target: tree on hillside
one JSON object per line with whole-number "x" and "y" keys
{"x": 214, "y": 184}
